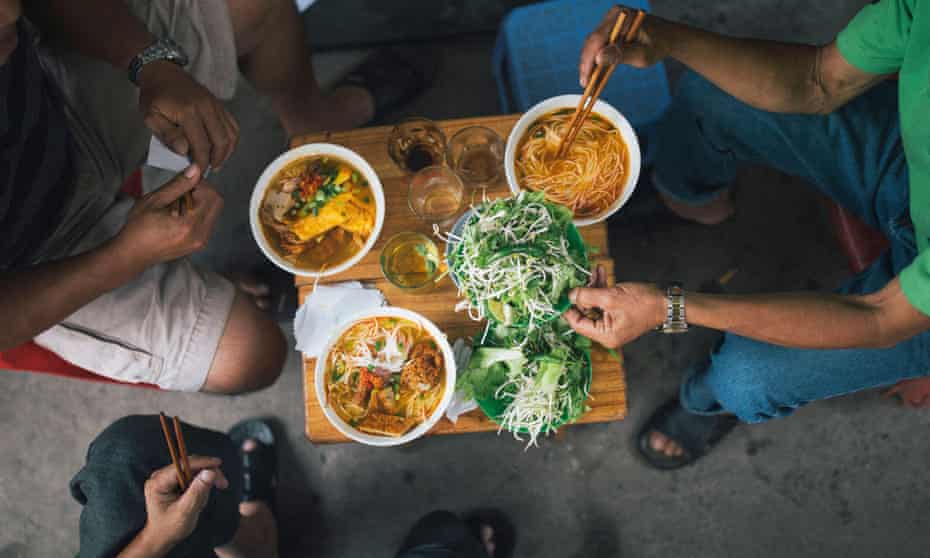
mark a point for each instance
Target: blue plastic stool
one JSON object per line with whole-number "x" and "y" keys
{"x": 537, "y": 53}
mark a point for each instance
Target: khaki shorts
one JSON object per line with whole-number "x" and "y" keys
{"x": 164, "y": 326}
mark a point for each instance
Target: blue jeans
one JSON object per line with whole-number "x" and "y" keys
{"x": 854, "y": 156}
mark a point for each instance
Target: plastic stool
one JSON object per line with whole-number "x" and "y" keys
{"x": 536, "y": 57}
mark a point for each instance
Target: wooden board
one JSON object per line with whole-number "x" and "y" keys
{"x": 608, "y": 385}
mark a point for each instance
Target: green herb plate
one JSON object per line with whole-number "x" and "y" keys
{"x": 494, "y": 408}
{"x": 575, "y": 242}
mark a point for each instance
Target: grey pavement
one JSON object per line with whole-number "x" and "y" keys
{"x": 845, "y": 477}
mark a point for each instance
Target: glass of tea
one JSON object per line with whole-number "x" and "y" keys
{"x": 476, "y": 154}
{"x": 411, "y": 261}
{"x": 417, "y": 143}
{"x": 436, "y": 194}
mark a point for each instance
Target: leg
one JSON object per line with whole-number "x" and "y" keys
{"x": 251, "y": 352}
{"x": 757, "y": 381}
{"x": 110, "y": 486}
{"x": 853, "y": 155}
{"x": 441, "y": 533}
{"x": 258, "y": 531}
{"x": 274, "y": 57}
{"x": 176, "y": 326}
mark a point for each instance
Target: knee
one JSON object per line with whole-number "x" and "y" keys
{"x": 252, "y": 20}
{"x": 745, "y": 385}
{"x": 253, "y": 363}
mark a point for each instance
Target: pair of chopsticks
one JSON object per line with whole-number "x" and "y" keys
{"x": 178, "y": 456}
{"x": 599, "y": 79}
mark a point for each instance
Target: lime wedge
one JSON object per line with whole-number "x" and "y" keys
{"x": 502, "y": 313}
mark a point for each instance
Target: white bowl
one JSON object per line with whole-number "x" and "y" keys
{"x": 304, "y": 151}
{"x": 385, "y": 441}
{"x": 571, "y": 101}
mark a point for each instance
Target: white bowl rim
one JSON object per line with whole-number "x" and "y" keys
{"x": 385, "y": 441}
{"x": 571, "y": 101}
{"x": 309, "y": 150}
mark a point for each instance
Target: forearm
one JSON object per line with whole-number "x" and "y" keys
{"x": 769, "y": 75}
{"x": 102, "y": 29}
{"x": 799, "y": 320}
{"x": 36, "y": 298}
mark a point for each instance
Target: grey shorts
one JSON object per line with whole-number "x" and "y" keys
{"x": 163, "y": 327}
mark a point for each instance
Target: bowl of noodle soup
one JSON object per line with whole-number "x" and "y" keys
{"x": 385, "y": 376}
{"x": 598, "y": 174}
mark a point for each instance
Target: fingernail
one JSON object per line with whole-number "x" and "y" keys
{"x": 572, "y": 296}
{"x": 582, "y": 83}
{"x": 191, "y": 171}
{"x": 207, "y": 476}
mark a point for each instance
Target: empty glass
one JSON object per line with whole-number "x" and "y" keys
{"x": 416, "y": 143}
{"x": 436, "y": 194}
{"x": 476, "y": 154}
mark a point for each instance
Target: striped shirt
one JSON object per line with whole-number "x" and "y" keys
{"x": 35, "y": 155}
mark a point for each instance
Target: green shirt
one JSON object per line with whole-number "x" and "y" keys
{"x": 894, "y": 36}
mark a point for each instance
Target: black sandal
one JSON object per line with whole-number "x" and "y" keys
{"x": 394, "y": 76}
{"x": 696, "y": 434}
{"x": 505, "y": 535}
{"x": 259, "y": 466}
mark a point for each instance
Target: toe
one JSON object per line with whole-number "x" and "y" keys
{"x": 657, "y": 441}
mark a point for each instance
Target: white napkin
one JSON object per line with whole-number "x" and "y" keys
{"x": 326, "y": 308}
{"x": 460, "y": 404}
{"x": 160, "y": 156}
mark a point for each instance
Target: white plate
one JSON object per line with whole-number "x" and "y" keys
{"x": 302, "y": 152}
{"x": 421, "y": 429}
{"x": 571, "y": 101}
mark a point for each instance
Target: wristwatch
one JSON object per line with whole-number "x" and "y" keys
{"x": 675, "y": 319}
{"x": 162, "y": 49}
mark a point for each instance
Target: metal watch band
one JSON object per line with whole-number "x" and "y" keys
{"x": 162, "y": 49}
{"x": 675, "y": 318}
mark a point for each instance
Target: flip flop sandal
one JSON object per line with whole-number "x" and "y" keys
{"x": 394, "y": 76}
{"x": 259, "y": 466}
{"x": 696, "y": 434}
{"x": 504, "y": 537}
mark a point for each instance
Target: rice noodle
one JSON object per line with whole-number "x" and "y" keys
{"x": 589, "y": 178}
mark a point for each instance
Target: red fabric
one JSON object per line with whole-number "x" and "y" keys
{"x": 861, "y": 244}
{"x": 30, "y": 357}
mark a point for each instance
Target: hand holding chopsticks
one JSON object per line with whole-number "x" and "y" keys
{"x": 600, "y": 77}
{"x": 172, "y": 514}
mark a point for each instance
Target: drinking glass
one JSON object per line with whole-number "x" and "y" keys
{"x": 476, "y": 154}
{"x": 416, "y": 143}
{"x": 411, "y": 261}
{"x": 436, "y": 194}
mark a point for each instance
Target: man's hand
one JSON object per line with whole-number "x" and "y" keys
{"x": 914, "y": 393}
{"x": 172, "y": 515}
{"x": 185, "y": 116}
{"x": 617, "y": 315}
{"x": 642, "y": 52}
{"x": 156, "y": 232}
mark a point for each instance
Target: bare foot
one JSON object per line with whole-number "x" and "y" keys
{"x": 343, "y": 108}
{"x": 257, "y": 536}
{"x": 258, "y": 292}
{"x": 714, "y": 212}
{"x": 661, "y": 443}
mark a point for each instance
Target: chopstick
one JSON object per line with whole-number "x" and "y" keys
{"x": 182, "y": 466}
{"x": 599, "y": 80}
{"x": 186, "y": 201}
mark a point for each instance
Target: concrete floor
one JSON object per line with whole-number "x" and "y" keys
{"x": 845, "y": 477}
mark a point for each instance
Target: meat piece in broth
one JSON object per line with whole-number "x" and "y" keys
{"x": 424, "y": 368}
